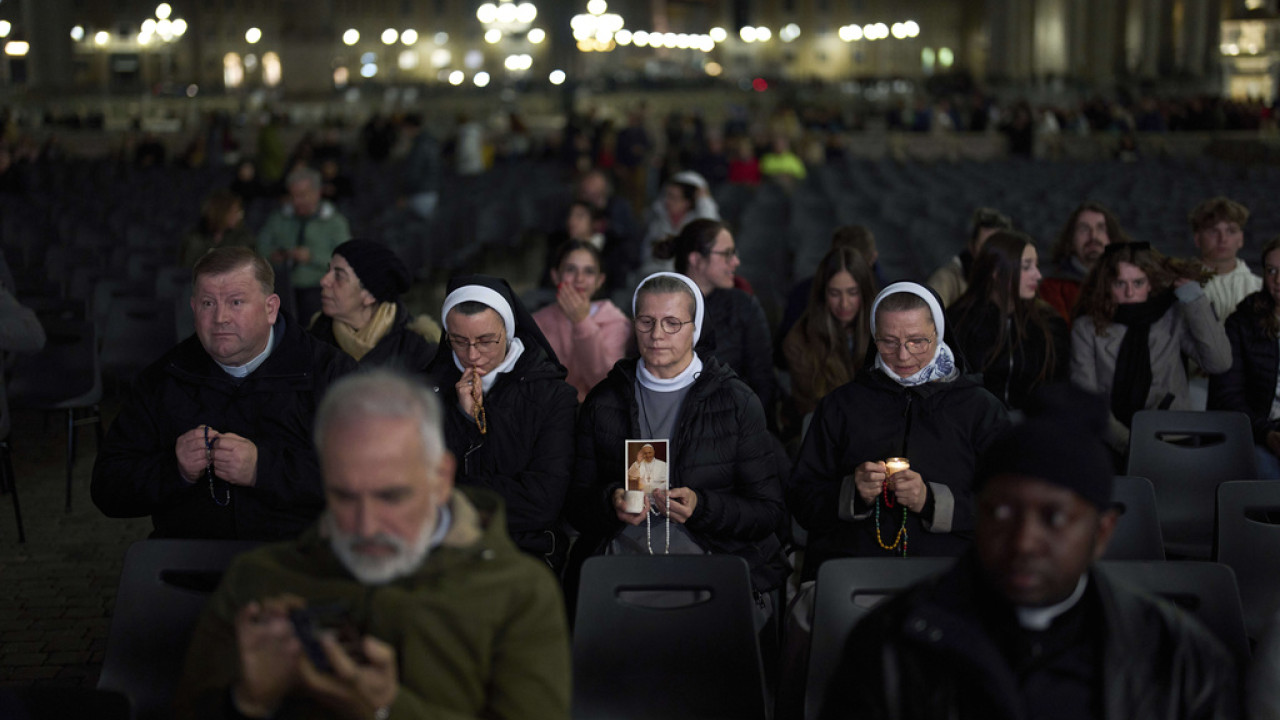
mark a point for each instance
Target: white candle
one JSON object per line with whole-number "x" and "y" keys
{"x": 895, "y": 465}
{"x": 634, "y": 501}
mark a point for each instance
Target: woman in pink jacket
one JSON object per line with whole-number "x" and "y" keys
{"x": 588, "y": 336}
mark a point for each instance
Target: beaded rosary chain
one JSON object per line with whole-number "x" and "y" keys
{"x": 901, "y": 538}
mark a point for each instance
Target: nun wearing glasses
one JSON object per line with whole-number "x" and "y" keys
{"x": 725, "y": 494}
{"x": 508, "y": 412}
{"x": 887, "y": 464}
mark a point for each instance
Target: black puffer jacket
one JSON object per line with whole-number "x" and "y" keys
{"x": 1250, "y": 385}
{"x": 940, "y": 427}
{"x": 1011, "y": 376}
{"x": 527, "y": 454}
{"x": 721, "y": 450}
{"x": 737, "y": 333}
{"x": 928, "y": 653}
{"x": 401, "y": 348}
{"x": 136, "y": 473}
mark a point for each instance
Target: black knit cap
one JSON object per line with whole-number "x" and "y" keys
{"x": 379, "y": 270}
{"x": 1060, "y": 442}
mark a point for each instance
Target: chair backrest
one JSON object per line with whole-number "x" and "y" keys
{"x": 163, "y": 588}
{"x": 847, "y": 589}
{"x": 1207, "y": 590}
{"x": 1185, "y": 455}
{"x": 66, "y": 369}
{"x": 1137, "y": 535}
{"x": 1249, "y": 543}
{"x": 696, "y": 655}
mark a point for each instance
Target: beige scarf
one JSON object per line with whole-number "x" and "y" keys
{"x": 358, "y": 343}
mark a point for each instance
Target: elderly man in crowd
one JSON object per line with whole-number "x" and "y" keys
{"x": 300, "y": 238}
{"x": 1026, "y": 626}
{"x": 361, "y": 311}
{"x": 437, "y": 614}
{"x": 216, "y": 440}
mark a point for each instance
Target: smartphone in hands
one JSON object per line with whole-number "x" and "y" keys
{"x": 309, "y": 623}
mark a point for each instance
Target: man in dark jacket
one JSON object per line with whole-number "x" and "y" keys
{"x": 1025, "y": 627}
{"x": 361, "y": 311}
{"x": 508, "y": 410}
{"x": 216, "y": 441}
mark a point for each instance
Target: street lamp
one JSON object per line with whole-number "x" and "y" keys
{"x": 253, "y": 35}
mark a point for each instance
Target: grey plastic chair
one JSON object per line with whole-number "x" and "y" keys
{"x": 1186, "y": 455}
{"x": 847, "y": 589}
{"x": 696, "y": 658}
{"x": 1249, "y": 542}
{"x": 1207, "y": 590}
{"x": 64, "y": 376}
{"x": 163, "y": 589}
{"x": 1137, "y": 535}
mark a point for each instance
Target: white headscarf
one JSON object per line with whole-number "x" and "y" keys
{"x": 492, "y": 299}
{"x": 942, "y": 366}
{"x": 690, "y": 373}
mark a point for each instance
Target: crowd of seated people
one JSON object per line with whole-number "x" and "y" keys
{"x": 907, "y": 388}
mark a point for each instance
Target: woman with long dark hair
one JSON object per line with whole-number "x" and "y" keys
{"x": 829, "y": 342}
{"x": 1250, "y": 384}
{"x": 1139, "y": 313}
{"x": 1002, "y": 328}
{"x": 704, "y": 251}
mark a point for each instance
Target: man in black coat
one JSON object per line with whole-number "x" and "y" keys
{"x": 1025, "y": 626}
{"x": 508, "y": 412}
{"x": 216, "y": 440}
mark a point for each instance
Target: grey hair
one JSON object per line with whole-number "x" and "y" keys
{"x": 665, "y": 284}
{"x": 382, "y": 393}
{"x": 305, "y": 174}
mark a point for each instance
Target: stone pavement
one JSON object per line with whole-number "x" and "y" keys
{"x": 58, "y": 589}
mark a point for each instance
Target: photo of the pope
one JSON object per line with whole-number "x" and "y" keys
{"x": 648, "y": 469}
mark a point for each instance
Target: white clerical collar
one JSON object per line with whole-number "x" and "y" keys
{"x": 681, "y": 381}
{"x": 1041, "y": 618}
{"x": 244, "y": 370}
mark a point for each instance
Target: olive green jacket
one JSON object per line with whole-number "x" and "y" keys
{"x": 479, "y": 630}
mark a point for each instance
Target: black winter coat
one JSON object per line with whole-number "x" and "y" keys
{"x": 720, "y": 449}
{"x": 527, "y": 454}
{"x": 1011, "y": 376}
{"x": 940, "y": 427}
{"x": 401, "y": 347}
{"x": 136, "y": 473}
{"x": 1250, "y": 385}
{"x": 737, "y": 333}
{"x": 933, "y": 652}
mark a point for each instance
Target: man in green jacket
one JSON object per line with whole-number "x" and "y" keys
{"x": 437, "y": 614}
{"x": 300, "y": 239}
